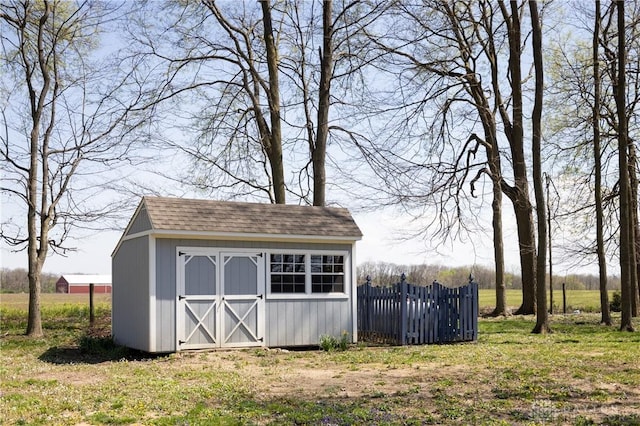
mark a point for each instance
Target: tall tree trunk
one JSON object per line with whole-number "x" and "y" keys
{"x": 37, "y": 238}
{"x": 34, "y": 273}
{"x": 498, "y": 246}
{"x": 635, "y": 229}
{"x": 34, "y": 321}
{"x": 549, "y": 245}
{"x": 519, "y": 194}
{"x": 625, "y": 196}
{"x": 637, "y": 247}
{"x": 273, "y": 145}
{"x": 542, "y": 315}
{"x": 487, "y": 118}
{"x": 326, "y": 71}
{"x": 495, "y": 167}
{"x": 597, "y": 153}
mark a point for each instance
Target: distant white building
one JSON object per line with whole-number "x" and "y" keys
{"x": 81, "y": 284}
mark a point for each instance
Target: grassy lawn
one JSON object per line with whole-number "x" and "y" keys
{"x": 582, "y": 374}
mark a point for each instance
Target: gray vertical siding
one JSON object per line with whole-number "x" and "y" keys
{"x": 130, "y": 294}
{"x": 289, "y": 322}
{"x": 140, "y": 223}
{"x": 165, "y": 297}
{"x": 302, "y": 322}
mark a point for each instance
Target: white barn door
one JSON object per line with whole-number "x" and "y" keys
{"x": 242, "y": 300}
{"x": 220, "y": 299}
{"x": 198, "y": 301}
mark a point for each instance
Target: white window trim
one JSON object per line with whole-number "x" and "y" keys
{"x": 308, "y": 294}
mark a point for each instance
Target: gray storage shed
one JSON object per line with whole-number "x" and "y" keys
{"x": 197, "y": 274}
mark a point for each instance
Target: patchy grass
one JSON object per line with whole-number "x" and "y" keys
{"x": 582, "y": 374}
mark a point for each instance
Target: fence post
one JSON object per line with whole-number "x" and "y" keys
{"x": 364, "y": 303}
{"x": 476, "y": 310}
{"x": 403, "y": 309}
{"x": 473, "y": 291}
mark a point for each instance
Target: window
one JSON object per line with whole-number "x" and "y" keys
{"x": 306, "y": 273}
{"x": 288, "y": 273}
{"x": 327, "y": 274}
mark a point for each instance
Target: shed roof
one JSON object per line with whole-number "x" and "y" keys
{"x": 228, "y": 217}
{"x": 84, "y": 279}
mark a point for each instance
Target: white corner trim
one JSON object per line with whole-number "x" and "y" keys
{"x": 354, "y": 293}
{"x": 152, "y": 294}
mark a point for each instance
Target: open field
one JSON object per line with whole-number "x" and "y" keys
{"x": 51, "y": 300}
{"x": 584, "y": 300}
{"x": 582, "y": 374}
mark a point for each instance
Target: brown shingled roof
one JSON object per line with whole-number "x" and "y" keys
{"x": 179, "y": 214}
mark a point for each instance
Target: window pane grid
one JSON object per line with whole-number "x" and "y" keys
{"x": 288, "y": 273}
{"x": 306, "y": 273}
{"x": 281, "y": 283}
{"x": 327, "y": 274}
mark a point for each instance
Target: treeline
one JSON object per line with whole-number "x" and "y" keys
{"x": 384, "y": 273}
{"x": 16, "y": 281}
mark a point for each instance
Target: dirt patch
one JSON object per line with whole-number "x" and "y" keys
{"x": 421, "y": 388}
{"x": 315, "y": 375}
{"x": 76, "y": 378}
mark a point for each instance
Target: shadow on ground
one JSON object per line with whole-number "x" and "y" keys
{"x": 75, "y": 355}
{"x": 94, "y": 347}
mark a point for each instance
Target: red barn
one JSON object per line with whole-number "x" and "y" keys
{"x": 81, "y": 283}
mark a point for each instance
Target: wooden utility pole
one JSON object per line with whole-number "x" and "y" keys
{"x": 92, "y": 316}
{"x": 548, "y": 181}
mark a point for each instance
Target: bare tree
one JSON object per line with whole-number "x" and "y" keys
{"x": 454, "y": 50}
{"x": 586, "y": 134}
{"x": 626, "y": 231}
{"x": 513, "y": 128}
{"x": 260, "y": 82}
{"x": 64, "y": 127}
{"x": 635, "y": 225}
{"x": 318, "y": 147}
{"x": 542, "y": 315}
{"x": 271, "y": 140}
{"x": 597, "y": 153}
